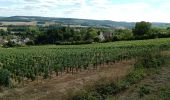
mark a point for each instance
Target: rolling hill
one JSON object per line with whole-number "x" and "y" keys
{"x": 74, "y": 21}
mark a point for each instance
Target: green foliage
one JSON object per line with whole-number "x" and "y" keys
{"x": 2, "y": 32}
{"x": 55, "y": 35}
{"x": 135, "y": 76}
{"x": 102, "y": 91}
{"x": 142, "y": 28}
{"x": 168, "y": 28}
{"x": 122, "y": 34}
{"x": 165, "y": 93}
{"x": 84, "y": 95}
{"x": 150, "y": 59}
{"x": 5, "y": 77}
{"x": 63, "y": 34}
{"x": 106, "y": 89}
{"x": 46, "y": 74}
{"x": 159, "y": 33}
{"x": 91, "y": 34}
{"x": 42, "y": 61}
{"x": 10, "y": 44}
{"x": 144, "y": 90}
{"x": 31, "y": 42}
{"x": 73, "y": 43}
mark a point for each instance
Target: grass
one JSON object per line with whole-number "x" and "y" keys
{"x": 155, "y": 86}
{"x": 105, "y": 91}
{"x": 109, "y": 44}
{"x": 165, "y": 93}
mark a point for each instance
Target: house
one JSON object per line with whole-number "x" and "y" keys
{"x": 101, "y": 37}
{"x": 20, "y": 41}
{"x": 107, "y": 35}
{"x": 3, "y": 28}
{"x": 2, "y": 41}
{"x": 77, "y": 30}
{"x": 120, "y": 28}
{"x": 25, "y": 40}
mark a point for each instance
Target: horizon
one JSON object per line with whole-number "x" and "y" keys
{"x": 85, "y": 19}
{"x": 123, "y": 11}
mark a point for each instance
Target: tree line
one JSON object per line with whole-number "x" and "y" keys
{"x": 82, "y": 35}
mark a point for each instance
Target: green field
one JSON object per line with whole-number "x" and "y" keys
{"x": 29, "y": 63}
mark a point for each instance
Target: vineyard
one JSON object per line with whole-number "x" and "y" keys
{"x": 41, "y": 62}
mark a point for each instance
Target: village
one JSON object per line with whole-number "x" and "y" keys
{"x": 13, "y": 31}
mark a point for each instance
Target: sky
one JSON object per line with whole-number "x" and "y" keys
{"x": 116, "y": 10}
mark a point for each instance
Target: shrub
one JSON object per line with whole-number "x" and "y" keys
{"x": 5, "y": 78}
{"x": 11, "y": 44}
{"x": 165, "y": 93}
{"x": 83, "y": 95}
{"x": 144, "y": 90}
{"x": 106, "y": 89}
{"x": 30, "y": 43}
{"x": 150, "y": 59}
{"x": 131, "y": 78}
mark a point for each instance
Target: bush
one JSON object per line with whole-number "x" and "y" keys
{"x": 11, "y": 44}
{"x": 106, "y": 89}
{"x": 144, "y": 90}
{"x": 5, "y": 78}
{"x": 165, "y": 93}
{"x": 30, "y": 43}
{"x": 150, "y": 59}
{"x": 87, "y": 96}
{"x": 135, "y": 76}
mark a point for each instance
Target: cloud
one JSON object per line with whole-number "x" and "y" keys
{"x": 130, "y": 10}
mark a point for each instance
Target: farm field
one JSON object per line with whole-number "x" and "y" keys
{"x": 38, "y": 62}
{"x": 61, "y": 87}
{"x": 23, "y": 65}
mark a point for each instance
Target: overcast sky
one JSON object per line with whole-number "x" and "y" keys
{"x": 116, "y": 10}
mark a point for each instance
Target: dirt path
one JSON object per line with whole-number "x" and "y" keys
{"x": 56, "y": 88}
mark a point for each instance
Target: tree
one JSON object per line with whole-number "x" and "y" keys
{"x": 32, "y": 31}
{"x": 91, "y": 34}
{"x": 77, "y": 36}
{"x": 142, "y": 28}
{"x": 168, "y": 28}
{"x": 159, "y": 33}
{"x": 2, "y": 32}
{"x": 122, "y": 34}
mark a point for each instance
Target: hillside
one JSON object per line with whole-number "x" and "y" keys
{"x": 83, "y": 22}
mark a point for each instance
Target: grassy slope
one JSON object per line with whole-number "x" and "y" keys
{"x": 154, "y": 87}
{"x": 109, "y": 44}
{"x": 115, "y": 44}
